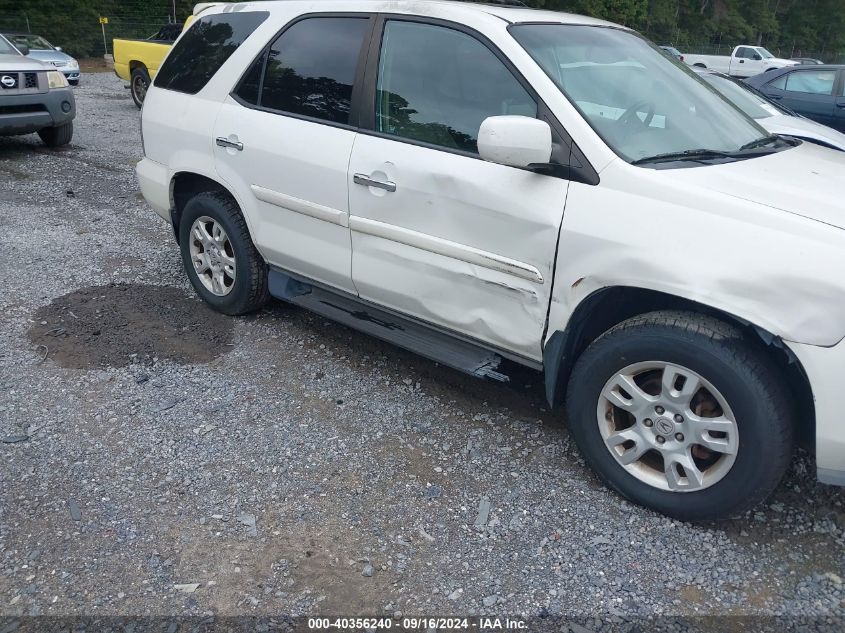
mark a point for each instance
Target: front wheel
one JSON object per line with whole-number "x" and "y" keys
{"x": 679, "y": 413}
{"x": 58, "y": 135}
{"x": 224, "y": 267}
{"x": 138, "y": 85}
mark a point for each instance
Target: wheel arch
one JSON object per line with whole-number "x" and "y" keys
{"x": 609, "y": 306}
{"x": 135, "y": 64}
{"x": 184, "y": 185}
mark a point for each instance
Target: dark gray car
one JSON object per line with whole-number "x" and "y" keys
{"x": 34, "y": 97}
{"x": 816, "y": 92}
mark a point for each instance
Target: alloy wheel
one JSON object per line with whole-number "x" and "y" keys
{"x": 668, "y": 426}
{"x": 213, "y": 256}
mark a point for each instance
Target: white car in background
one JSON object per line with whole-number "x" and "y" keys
{"x": 772, "y": 116}
{"x": 744, "y": 61}
{"x": 455, "y": 179}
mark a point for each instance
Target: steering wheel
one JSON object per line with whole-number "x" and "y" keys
{"x": 631, "y": 113}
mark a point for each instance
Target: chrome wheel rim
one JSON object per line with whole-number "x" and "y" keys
{"x": 668, "y": 426}
{"x": 140, "y": 88}
{"x": 213, "y": 256}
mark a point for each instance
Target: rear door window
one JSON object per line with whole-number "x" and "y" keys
{"x": 311, "y": 68}
{"x": 204, "y": 48}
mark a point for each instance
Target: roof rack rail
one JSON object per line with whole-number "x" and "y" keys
{"x": 504, "y": 3}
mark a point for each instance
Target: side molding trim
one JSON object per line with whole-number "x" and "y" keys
{"x": 297, "y": 205}
{"x": 446, "y": 248}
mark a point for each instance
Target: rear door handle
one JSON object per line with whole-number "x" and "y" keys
{"x": 363, "y": 179}
{"x": 224, "y": 142}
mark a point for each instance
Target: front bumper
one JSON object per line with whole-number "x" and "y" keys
{"x": 825, "y": 368}
{"x": 154, "y": 179}
{"x": 23, "y": 114}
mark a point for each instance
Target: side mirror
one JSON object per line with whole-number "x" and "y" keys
{"x": 23, "y": 48}
{"x": 758, "y": 56}
{"x": 516, "y": 141}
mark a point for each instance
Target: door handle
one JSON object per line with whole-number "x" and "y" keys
{"x": 363, "y": 179}
{"x": 840, "y": 105}
{"x": 775, "y": 97}
{"x": 224, "y": 142}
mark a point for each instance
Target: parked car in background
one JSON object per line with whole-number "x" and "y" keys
{"x": 772, "y": 116}
{"x": 808, "y": 61}
{"x": 138, "y": 61}
{"x": 673, "y": 52}
{"x": 495, "y": 182}
{"x": 745, "y": 61}
{"x": 34, "y": 97}
{"x": 41, "y": 49}
{"x": 816, "y": 92}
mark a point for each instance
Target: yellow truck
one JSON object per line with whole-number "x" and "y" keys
{"x": 138, "y": 61}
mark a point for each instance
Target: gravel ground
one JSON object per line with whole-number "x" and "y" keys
{"x": 287, "y": 465}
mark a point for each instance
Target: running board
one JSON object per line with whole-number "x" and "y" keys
{"x": 400, "y": 331}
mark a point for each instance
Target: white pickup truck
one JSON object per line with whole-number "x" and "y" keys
{"x": 745, "y": 61}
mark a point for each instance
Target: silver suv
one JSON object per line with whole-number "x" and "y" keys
{"x": 34, "y": 97}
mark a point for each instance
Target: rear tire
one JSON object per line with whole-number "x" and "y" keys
{"x": 56, "y": 136}
{"x": 240, "y": 286}
{"x": 139, "y": 83}
{"x": 670, "y": 428}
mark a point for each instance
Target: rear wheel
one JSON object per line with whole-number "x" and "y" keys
{"x": 677, "y": 412}
{"x": 225, "y": 268}
{"x": 138, "y": 85}
{"x": 58, "y": 135}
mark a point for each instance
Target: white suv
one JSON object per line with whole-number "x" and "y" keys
{"x": 479, "y": 182}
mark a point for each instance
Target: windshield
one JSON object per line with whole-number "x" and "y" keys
{"x": 754, "y": 105}
{"x": 35, "y": 42}
{"x": 638, "y": 100}
{"x": 6, "y": 48}
{"x": 764, "y": 53}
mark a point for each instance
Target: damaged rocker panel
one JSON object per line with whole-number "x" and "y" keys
{"x": 400, "y": 331}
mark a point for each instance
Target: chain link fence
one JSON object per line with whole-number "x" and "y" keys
{"x": 83, "y": 35}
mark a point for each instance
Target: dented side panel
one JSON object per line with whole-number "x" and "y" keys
{"x": 690, "y": 235}
{"x": 460, "y": 243}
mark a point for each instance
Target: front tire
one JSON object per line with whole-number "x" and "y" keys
{"x": 224, "y": 267}
{"x": 139, "y": 83}
{"x": 679, "y": 413}
{"x": 58, "y": 135}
